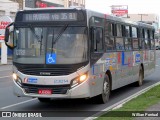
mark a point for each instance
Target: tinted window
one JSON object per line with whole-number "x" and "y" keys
{"x": 98, "y": 39}
{"x": 119, "y": 44}
{"x": 134, "y": 32}
{"x": 109, "y": 41}
{"x": 119, "y": 30}
{"x": 109, "y": 28}
{"x": 127, "y": 31}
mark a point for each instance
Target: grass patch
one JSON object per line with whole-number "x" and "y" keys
{"x": 140, "y": 103}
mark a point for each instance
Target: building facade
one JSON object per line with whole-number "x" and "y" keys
{"x": 26, "y": 4}
{"x": 152, "y": 19}
{"x": 43, "y": 3}
{"x": 68, "y": 3}
{"x": 20, "y": 2}
{"x": 8, "y": 8}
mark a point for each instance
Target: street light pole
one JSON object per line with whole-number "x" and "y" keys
{"x": 142, "y": 15}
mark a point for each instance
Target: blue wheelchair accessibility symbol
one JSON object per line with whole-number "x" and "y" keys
{"x": 51, "y": 58}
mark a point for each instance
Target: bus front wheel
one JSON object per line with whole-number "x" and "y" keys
{"x": 104, "y": 97}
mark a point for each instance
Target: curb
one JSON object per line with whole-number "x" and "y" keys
{"x": 120, "y": 104}
{"x": 9, "y": 62}
{"x": 5, "y": 64}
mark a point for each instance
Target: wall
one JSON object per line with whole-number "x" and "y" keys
{"x": 8, "y": 8}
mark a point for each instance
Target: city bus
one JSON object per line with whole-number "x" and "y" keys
{"x": 72, "y": 53}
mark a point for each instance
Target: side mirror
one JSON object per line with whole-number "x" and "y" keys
{"x": 6, "y": 34}
{"x": 9, "y": 36}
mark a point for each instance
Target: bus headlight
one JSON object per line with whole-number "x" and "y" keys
{"x": 15, "y": 77}
{"x": 79, "y": 80}
{"x": 82, "y": 78}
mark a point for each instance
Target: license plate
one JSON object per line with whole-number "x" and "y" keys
{"x": 45, "y": 91}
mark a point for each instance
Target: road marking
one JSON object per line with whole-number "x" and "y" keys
{"x": 120, "y": 103}
{"x": 5, "y": 76}
{"x": 18, "y": 103}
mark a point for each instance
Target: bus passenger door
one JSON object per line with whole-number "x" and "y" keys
{"x": 97, "y": 50}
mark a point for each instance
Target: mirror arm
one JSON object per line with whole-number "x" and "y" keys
{"x": 10, "y": 24}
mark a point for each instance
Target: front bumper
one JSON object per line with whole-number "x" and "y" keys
{"x": 80, "y": 91}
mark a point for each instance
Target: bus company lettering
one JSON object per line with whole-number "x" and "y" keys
{"x": 61, "y": 81}
{"x": 137, "y": 58}
{"x": 30, "y": 80}
{"x": 111, "y": 61}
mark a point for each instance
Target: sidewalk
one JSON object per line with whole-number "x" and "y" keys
{"x": 9, "y": 62}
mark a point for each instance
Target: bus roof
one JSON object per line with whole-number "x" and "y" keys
{"x": 54, "y": 8}
{"x": 118, "y": 19}
{"x": 94, "y": 13}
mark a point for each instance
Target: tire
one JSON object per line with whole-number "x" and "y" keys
{"x": 44, "y": 100}
{"x": 104, "y": 97}
{"x": 140, "y": 79}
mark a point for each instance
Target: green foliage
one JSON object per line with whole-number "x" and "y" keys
{"x": 140, "y": 103}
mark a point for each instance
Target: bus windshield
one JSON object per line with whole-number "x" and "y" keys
{"x": 51, "y": 45}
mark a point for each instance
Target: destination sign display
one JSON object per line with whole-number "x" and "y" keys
{"x": 65, "y": 16}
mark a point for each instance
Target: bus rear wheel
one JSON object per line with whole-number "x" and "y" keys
{"x": 44, "y": 100}
{"x": 104, "y": 97}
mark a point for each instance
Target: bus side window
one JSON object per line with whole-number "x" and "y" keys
{"x": 152, "y": 39}
{"x": 149, "y": 39}
{"x": 146, "y": 40}
{"x": 97, "y": 39}
{"x": 127, "y": 35}
{"x": 143, "y": 38}
{"x": 119, "y": 38}
{"x": 109, "y": 36}
{"x": 135, "y": 38}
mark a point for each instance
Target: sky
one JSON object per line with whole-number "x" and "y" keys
{"x": 134, "y": 6}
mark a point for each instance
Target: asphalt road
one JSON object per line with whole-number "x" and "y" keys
{"x": 64, "y": 109}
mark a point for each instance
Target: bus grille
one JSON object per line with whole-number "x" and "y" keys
{"x": 47, "y": 71}
{"x": 56, "y": 89}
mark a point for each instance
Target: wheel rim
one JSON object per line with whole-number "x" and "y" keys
{"x": 106, "y": 88}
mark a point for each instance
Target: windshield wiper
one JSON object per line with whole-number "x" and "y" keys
{"x": 60, "y": 33}
{"x": 39, "y": 38}
{"x": 58, "y": 36}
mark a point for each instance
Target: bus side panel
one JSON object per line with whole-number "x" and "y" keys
{"x": 98, "y": 71}
{"x": 126, "y": 68}
{"x": 146, "y": 62}
{"x": 112, "y": 65}
{"x": 152, "y": 61}
{"x": 137, "y": 60}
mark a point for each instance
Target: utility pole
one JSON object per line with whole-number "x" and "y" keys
{"x": 142, "y": 16}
